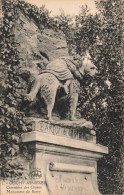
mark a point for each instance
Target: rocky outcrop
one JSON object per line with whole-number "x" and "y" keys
{"x": 37, "y": 47}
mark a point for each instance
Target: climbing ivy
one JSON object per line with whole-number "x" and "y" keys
{"x": 11, "y": 122}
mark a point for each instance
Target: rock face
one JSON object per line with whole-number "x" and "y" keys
{"x": 37, "y": 47}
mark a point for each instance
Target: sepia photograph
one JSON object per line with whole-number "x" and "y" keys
{"x": 61, "y": 97}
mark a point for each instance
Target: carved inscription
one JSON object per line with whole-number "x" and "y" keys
{"x": 60, "y": 131}
{"x": 55, "y": 130}
{"x": 72, "y": 183}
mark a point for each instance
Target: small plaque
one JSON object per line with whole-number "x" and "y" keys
{"x": 67, "y": 183}
{"x": 69, "y": 179}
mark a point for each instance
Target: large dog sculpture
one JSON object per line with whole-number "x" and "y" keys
{"x": 48, "y": 83}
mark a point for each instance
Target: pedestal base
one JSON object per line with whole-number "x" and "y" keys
{"x": 65, "y": 166}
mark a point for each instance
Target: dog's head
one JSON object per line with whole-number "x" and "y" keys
{"x": 88, "y": 68}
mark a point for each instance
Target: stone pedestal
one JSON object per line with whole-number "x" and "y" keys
{"x": 64, "y": 156}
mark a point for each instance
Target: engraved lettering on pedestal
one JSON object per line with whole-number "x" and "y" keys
{"x": 54, "y": 129}
{"x": 42, "y": 126}
{"x": 76, "y": 134}
{"x": 58, "y": 130}
{"x": 71, "y": 179}
{"x": 51, "y": 128}
{"x": 70, "y": 133}
{"x": 46, "y": 127}
{"x": 65, "y": 132}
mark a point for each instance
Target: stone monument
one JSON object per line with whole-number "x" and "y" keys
{"x": 64, "y": 152}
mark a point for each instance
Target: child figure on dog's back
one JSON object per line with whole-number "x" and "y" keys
{"x": 65, "y": 69}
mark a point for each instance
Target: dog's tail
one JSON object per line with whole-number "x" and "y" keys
{"x": 36, "y": 87}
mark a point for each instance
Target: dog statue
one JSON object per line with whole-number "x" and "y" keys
{"x": 61, "y": 72}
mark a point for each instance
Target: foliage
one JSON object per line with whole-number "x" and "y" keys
{"x": 111, "y": 35}
{"x": 40, "y": 15}
{"x": 87, "y": 28}
{"x": 65, "y": 22}
{"x": 11, "y": 121}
